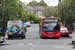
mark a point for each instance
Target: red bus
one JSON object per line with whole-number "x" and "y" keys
{"x": 50, "y": 27}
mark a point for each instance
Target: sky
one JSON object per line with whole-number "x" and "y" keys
{"x": 49, "y": 2}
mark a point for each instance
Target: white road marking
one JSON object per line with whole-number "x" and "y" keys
{"x": 68, "y": 48}
{"x": 30, "y": 44}
{"x": 59, "y": 46}
{"x": 37, "y": 42}
{"x": 31, "y": 48}
{"x": 65, "y": 43}
{"x": 34, "y": 46}
{"x": 21, "y": 44}
{"x": 64, "y": 47}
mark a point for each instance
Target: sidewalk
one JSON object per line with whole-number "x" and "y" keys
{"x": 70, "y": 35}
{"x": 6, "y": 36}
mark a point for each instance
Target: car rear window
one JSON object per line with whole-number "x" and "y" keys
{"x": 64, "y": 29}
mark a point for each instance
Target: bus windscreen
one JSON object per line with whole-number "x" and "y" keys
{"x": 51, "y": 25}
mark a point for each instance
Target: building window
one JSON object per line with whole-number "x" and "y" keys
{"x": 39, "y": 12}
{"x": 30, "y": 12}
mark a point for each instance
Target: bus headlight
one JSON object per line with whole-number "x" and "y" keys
{"x": 44, "y": 33}
{"x": 57, "y": 33}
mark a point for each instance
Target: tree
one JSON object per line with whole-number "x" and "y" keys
{"x": 2, "y": 6}
{"x": 42, "y": 3}
{"x": 14, "y": 10}
{"x": 32, "y": 17}
{"x": 25, "y": 17}
{"x": 55, "y": 14}
{"x": 11, "y": 10}
{"x": 66, "y": 11}
{"x": 37, "y": 20}
{"x": 33, "y": 2}
{"x": 48, "y": 11}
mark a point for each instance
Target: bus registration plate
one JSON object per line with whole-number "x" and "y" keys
{"x": 50, "y": 36}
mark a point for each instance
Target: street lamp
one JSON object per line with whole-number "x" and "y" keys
{"x": 37, "y": 11}
{"x": 19, "y": 11}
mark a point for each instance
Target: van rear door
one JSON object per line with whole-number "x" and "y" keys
{"x": 14, "y": 27}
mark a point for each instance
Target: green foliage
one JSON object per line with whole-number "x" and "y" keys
{"x": 37, "y": 20}
{"x": 1, "y": 36}
{"x": 42, "y": 3}
{"x": 25, "y": 17}
{"x": 55, "y": 14}
{"x": 11, "y": 10}
{"x": 14, "y": 9}
{"x": 66, "y": 11}
{"x": 32, "y": 17}
{"x": 48, "y": 11}
{"x": 33, "y": 2}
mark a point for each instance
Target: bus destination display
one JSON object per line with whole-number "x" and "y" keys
{"x": 50, "y": 20}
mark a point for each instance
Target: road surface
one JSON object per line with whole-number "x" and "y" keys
{"x": 33, "y": 42}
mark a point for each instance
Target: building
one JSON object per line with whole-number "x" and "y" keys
{"x": 37, "y": 10}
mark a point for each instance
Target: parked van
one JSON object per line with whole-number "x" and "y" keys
{"x": 15, "y": 29}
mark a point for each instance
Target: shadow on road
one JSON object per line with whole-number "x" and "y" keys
{"x": 4, "y": 44}
{"x": 33, "y": 38}
{"x": 66, "y": 37}
{"x": 49, "y": 38}
{"x": 18, "y": 38}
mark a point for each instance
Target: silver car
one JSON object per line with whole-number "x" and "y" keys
{"x": 2, "y": 40}
{"x": 27, "y": 24}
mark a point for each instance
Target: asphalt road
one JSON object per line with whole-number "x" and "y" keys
{"x": 33, "y": 42}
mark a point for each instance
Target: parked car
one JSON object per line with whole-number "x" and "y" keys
{"x": 25, "y": 28}
{"x": 64, "y": 31}
{"x": 2, "y": 39}
{"x": 27, "y": 24}
{"x": 70, "y": 30}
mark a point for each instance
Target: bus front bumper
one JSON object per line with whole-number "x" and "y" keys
{"x": 51, "y": 35}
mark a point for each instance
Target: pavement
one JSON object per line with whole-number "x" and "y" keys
{"x": 33, "y": 42}
{"x": 70, "y": 35}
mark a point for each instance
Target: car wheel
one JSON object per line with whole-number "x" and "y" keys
{"x": 67, "y": 36}
{"x": 24, "y": 36}
{"x": 72, "y": 42}
{"x": 11, "y": 38}
{"x": 8, "y": 37}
